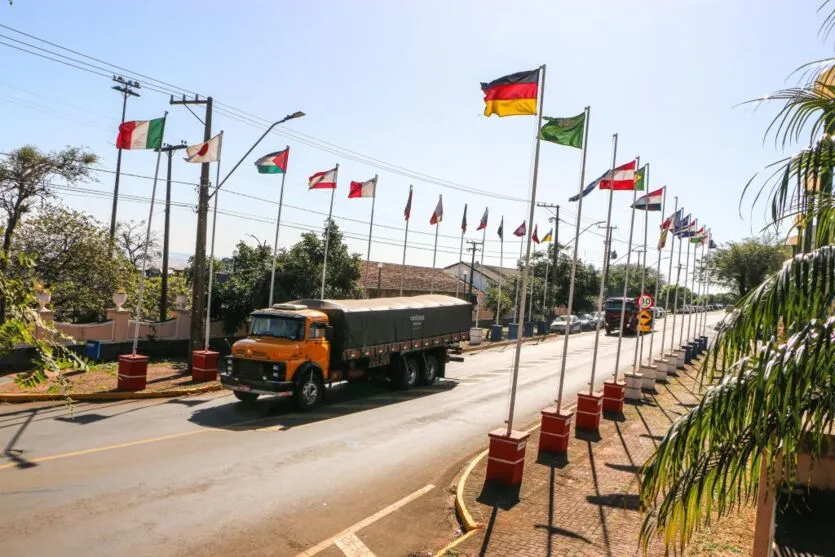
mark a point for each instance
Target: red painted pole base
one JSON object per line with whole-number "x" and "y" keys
{"x": 613, "y": 393}
{"x": 204, "y": 365}
{"x": 133, "y": 372}
{"x": 506, "y": 456}
{"x": 589, "y": 411}
{"x": 554, "y": 431}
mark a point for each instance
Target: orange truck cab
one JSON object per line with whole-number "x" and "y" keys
{"x": 294, "y": 349}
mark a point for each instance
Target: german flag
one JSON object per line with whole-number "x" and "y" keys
{"x": 512, "y": 95}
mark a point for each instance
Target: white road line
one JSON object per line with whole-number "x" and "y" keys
{"x": 352, "y": 546}
{"x": 321, "y": 546}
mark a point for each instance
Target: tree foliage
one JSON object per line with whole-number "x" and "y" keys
{"x": 743, "y": 265}
{"x": 131, "y": 239}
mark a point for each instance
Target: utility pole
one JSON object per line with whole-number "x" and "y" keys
{"x": 608, "y": 255}
{"x": 125, "y": 87}
{"x": 163, "y": 299}
{"x": 474, "y": 246}
{"x": 198, "y": 291}
{"x": 556, "y": 221}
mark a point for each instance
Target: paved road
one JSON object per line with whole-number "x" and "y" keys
{"x": 203, "y": 476}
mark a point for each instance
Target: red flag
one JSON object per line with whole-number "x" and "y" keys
{"x": 408, "y": 211}
{"x": 521, "y": 230}
{"x": 363, "y": 189}
{"x": 535, "y": 236}
{"x": 464, "y": 220}
{"x": 483, "y": 224}
{"x": 438, "y": 213}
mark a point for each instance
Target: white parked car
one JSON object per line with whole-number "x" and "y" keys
{"x": 560, "y": 324}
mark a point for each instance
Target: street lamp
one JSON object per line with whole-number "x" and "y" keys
{"x": 379, "y": 278}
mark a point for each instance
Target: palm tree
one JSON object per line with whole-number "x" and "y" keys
{"x": 771, "y": 369}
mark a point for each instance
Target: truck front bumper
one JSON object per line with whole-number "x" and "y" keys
{"x": 281, "y": 388}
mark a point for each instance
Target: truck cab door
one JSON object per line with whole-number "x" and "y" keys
{"x": 319, "y": 345}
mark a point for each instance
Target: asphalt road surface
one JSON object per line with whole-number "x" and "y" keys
{"x": 366, "y": 474}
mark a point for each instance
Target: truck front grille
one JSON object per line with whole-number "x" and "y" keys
{"x": 248, "y": 369}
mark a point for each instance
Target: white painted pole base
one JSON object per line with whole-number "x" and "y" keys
{"x": 649, "y": 373}
{"x": 634, "y": 382}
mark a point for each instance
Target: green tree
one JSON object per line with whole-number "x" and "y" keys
{"x": 684, "y": 296}
{"x": 770, "y": 369}
{"x": 491, "y": 301}
{"x": 26, "y": 176}
{"x": 72, "y": 257}
{"x": 617, "y": 277}
{"x": 177, "y": 284}
{"x": 744, "y": 265}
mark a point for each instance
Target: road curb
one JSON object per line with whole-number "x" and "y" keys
{"x": 466, "y": 519}
{"x": 127, "y": 395}
{"x": 502, "y": 343}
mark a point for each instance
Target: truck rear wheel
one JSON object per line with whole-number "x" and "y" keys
{"x": 245, "y": 398}
{"x": 429, "y": 371}
{"x": 309, "y": 390}
{"x": 407, "y": 373}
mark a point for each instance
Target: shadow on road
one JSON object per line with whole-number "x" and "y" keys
{"x": 15, "y": 455}
{"x": 281, "y": 413}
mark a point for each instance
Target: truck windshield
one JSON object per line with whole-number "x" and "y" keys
{"x": 616, "y": 305}
{"x": 278, "y": 327}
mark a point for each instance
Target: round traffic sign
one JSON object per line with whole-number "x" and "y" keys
{"x": 645, "y": 301}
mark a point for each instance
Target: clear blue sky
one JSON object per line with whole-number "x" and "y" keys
{"x": 399, "y": 82}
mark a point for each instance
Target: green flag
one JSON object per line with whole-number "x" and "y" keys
{"x": 640, "y": 182}
{"x": 564, "y": 131}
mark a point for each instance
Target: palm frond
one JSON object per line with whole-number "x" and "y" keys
{"x": 709, "y": 462}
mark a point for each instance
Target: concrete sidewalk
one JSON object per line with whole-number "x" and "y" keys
{"x": 585, "y": 504}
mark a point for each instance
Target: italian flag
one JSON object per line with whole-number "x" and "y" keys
{"x": 141, "y": 134}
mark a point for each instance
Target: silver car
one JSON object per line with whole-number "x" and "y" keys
{"x": 561, "y": 323}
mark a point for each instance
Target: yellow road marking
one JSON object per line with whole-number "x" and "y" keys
{"x": 108, "y": 448}
{"x": 321, "y": 546}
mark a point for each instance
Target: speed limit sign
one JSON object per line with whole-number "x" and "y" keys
{"x": 645, "y": 301}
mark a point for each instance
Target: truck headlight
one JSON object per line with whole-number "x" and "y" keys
{"x": 229, "y": 366}
{"x": 276, "y": 367}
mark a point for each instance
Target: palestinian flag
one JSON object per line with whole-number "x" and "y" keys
{"x": 363, "y": 189}
{"x": 325, "y": 180}
{"x": 521, "y": 231}
{"x": 548, "y": 237}
{"x": 483, "y": 224}
{"x": 273, "y": 163}
{"x": 141, "y": 134}
{"x": 438, "y": 213}
{"x": 512, "y": 95}
{"x": 650, "y": 202}
{"x": 621, "y": 178}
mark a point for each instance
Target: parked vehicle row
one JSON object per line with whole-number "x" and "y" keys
{"x": 688, "y": 308}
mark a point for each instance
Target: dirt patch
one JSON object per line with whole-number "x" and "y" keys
{"x": 101, "y": 378}
{"x": 730, "y": 537}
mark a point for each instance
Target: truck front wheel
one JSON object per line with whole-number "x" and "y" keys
{"x": 245, "y": 398}
{"x": 309, "y": 390}
{"x": 429, "y": 372}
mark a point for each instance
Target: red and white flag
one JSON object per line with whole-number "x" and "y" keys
{"x": 438, "y": 213}
{"x": 363, "y": 189}
{"x": 521, "y": 231}
{"x": 323, "y": 180}
{"x": 535, "y": 236}
{"x": 621, "y": 178}
{"x": 483, "y": 224}
{"x": 407, "y": 212}
{"x": 205, "y": 152}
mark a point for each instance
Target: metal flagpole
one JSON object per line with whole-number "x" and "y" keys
{"x": 639, "y": 338}
{"x": 701, "y": 316}
{"x": 525, "y": 273}
{"x": 545, "y": 285}
{"x": 692, "y": 292}
{"x": 483, "y": 249}
{"x": 138, "y": 316}
{"x": 574, "y": 260}
{"x": 707, "y": 281}
{"x": 607, "y": 245}
{"x": 370, "y": 230}
{"x": 328, "y": 233}
{"x": 626, "y": 274}
{"x": 678, "y": 278}
{"x": 516, "y": 291}
{"x": 405, "y": 239}
{"x": 435, "y": 253}
{"x": 212, "y": 257}
{"x": 460, "y": 257}
{"x": 277, "y": 226}
{"x": 501, "y": 273}
{"x": 531, "y": 271}
{"x": 686, "y": 271}
{"x": 657, "y": 282}
{"x": 669, "y": 276}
